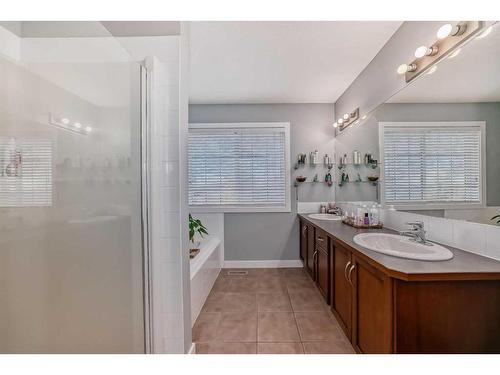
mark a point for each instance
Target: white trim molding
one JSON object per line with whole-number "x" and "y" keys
{"x": 263, "y": 264}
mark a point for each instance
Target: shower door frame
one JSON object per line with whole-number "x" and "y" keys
{"x": 145, "y": 126}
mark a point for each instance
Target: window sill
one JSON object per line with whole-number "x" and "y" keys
{"x": 206, "y": 209}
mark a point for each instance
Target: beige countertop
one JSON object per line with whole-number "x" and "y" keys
{"x": 463, "y": 265}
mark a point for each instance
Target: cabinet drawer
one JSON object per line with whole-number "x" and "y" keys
{"x": 321, "y": 239}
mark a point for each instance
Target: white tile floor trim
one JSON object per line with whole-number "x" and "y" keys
{"x": 263, "y": 264}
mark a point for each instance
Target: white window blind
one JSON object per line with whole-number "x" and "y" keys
{"x": 239, "y": 167}
{"x": 436, "y": 163}
{"x": 25, "y": 172}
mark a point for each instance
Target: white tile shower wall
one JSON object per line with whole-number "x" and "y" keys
{"x": 168, "y": 317}
{"x": 476, "y": 238}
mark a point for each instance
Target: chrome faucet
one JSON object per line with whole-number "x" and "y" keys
{"x": 335, "y": 211}
{"x": 416, "y": 232}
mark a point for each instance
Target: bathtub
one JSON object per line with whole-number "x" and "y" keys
{"x": 205, "y": 268}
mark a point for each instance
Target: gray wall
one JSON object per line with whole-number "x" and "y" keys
{"x": 365, "y": 138}
{"x": 273, "y": 236}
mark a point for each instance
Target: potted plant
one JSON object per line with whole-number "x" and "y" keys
{"x": 195, "y": 227}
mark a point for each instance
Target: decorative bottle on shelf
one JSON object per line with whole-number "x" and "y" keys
{"x": 313, "y": 158}
{"x": 356, "y": 157}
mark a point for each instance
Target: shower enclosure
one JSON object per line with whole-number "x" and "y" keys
{"x": 71, "y": 219}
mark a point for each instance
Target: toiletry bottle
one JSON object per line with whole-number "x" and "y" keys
{"x": 374, "y": 216}
{"x": 364, "y": 215}
{"x": 366, "y": 220}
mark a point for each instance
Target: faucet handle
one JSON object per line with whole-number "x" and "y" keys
{"x": 416, "y": 224}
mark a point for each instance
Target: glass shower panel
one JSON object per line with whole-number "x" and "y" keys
{"x": 70, "y": 209}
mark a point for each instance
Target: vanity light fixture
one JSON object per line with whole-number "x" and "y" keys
{"x": 449, "y": 38}
{"x": 65, "y": 124}
{"x": 347, "y": 119}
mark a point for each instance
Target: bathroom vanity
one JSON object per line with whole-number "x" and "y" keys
{"x": 387, "y": 304}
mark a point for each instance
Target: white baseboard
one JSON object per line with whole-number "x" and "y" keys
{"x": 192, "y": 349}
{"x": 263, "y": 264}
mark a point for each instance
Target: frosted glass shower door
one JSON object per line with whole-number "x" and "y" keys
{"x": 71, "y": 277}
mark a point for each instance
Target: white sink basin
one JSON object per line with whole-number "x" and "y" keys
{"x": 324, "y": 217}
{"x": 402, "y": 247}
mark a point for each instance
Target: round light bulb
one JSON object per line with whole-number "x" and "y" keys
{"x": 363, "y": 118}
{"x": 340, "y": 120}
{"x": 77, "y": 125}
{"x": 335, "y": 125}
{"x": 402, "y": 69}
{"x": 346, "y": 116}
{"x": 421, "y": 51}
{"x": 444, "y": 31}
{"x": 65, "y": 121}
{"x": 88, "y": 129}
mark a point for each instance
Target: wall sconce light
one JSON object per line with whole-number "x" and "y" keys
{"x": 346, "y": 119}
{"x": 450, "y": 37}
{"x": 65, "y": 124}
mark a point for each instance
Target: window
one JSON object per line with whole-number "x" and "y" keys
{"x": 25, "y": 172}
{"x": 242, "y": 167}
{"x": 438, "y": 165}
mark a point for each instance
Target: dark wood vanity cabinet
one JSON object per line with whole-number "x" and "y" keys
{"x": 361, "y": 301}
{"x": 315, "y": 254}
{"x": 372, "y": 308}
{"x": 341, "y": 287}
{"x": 303, "y": 241}
{"x": 310, "y": 260}
{"x": 322, "y": 258}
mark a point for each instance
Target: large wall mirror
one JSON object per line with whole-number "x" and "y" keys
{"x": 437, "y": 142}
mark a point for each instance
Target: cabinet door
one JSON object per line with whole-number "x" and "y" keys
{"x": 303, "y": 241}
{"x": 372, "y": 317}
{"x": 323, "y": 272}
{"x": 311, "y": 262}
{"x": 342, "y": 294}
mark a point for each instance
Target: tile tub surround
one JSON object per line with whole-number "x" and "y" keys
{"x": 268, "y": 311}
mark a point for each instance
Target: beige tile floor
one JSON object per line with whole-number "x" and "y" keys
{"x": 268, "y": 311}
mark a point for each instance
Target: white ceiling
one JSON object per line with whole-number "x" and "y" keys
{"x": 471, "y": 76}
{"x": 280, "y": 62}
